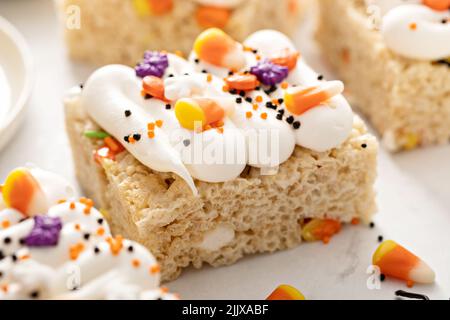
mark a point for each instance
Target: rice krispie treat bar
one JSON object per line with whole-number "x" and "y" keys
{"x": 118, "y": 31}
{"x": 241, "y": 149}
{"x": 55, "y": 246}
{"x": 394, "y": 58}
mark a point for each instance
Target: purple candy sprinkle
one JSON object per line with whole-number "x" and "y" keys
{"x": 45, "y": 232}
{"x": 154, "y": 64}
{"x": 269, "y": 73}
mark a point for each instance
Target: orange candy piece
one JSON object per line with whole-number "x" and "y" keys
{"x": 439, "y": 5}
{"x": 286, "y": 58}
{"x": 160, "y": 7}
{"x": 208, "y": 16}
{"x": 241, "y": 81}
{"x": 154, "y": 86}
{"x": 320, "y": 229}
{"x": 286, "y": 292}
{"x": 398, "y": 262}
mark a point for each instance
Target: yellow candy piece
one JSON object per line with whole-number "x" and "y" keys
{"x": 286, "y": 292}
{"x": 22, "y": 192}
{"x": 190, "y": 114}
{"x": 412, "y": 141}
{"x": 142, "y": 7}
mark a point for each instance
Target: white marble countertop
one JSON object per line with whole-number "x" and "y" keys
{"x": 413, "y": 191}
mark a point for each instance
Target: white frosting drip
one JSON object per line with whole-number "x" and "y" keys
{"x": 414, "y": 30}
{"x": 220, "y": 3}
{"x": 262, "y": 142}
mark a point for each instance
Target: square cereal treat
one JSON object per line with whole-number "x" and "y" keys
{"x": 240, "y": 149}
{"x": 118, "y": 31}
{"x": 394, "y": 58}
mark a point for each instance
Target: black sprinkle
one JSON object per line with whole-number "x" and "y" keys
{"x": 168, "y": 107}
{"x": 372, "y": 225}
{"x": 22, "y": 241}
{"x": 279, "y": 116}
{"x": 100, "y": 221}
{"x": 87, "y": 236}
{"x": 280, "y": 101}
{"x": 290, "y": 120}
{"x": 320, "y": 77}
{"x": 187, "y": 142}
{"x": 186, "y": 74}
{"x": 249, "y": 99}
{"x": 364, "y": 146}
{"x": 126, "y": 139}
{"x": 1, "y": 274}
{"x": 34, "y": 294}
{"x": 197, "y": 61}
{"x": 7, "y": 240}
{"x": 137, "y": 136}
{"x": 242, "y": 94}
{"x": 380, "y": 238}
{"x": 230, "y": 73}
{"x": 148, "y": 97}
{"x": 446, "y": 62}
{"x": 255, "y": 51}
{"x": 2, "y": 255}
{"x": 281, "y": 111}
{"x": 258, "y": 88}
{"x": 130, "y": 249}
{"x": 81, "y": 86}
{"x": 204, "y": 71}
{"x": 411, "y": 295}
{"x": 96, "y": 250}
{"x": 14, "y": 258}
{"x": 297, "y": 125}
{"x": 238, "y": 100}
{"x": 233, "y": 91}
{"x": 270, "y": 105}
{"x": 382, "y": 277}
{"x": 171, "y": 75}
{"x": 127, "y": 113}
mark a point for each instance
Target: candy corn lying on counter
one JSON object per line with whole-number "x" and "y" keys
{"x": 55, "y": 245}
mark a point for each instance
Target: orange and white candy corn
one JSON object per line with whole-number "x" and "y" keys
{"x": 320, "y": 230}
{"x": 396, "y": 261}
{"x": 286, "y": 292}
{"x": 194, "y": 113}
{"x": 439, "y": 5}
{"x": 217, "y": 48}
{"x": 22, "y": 192}
{"x": 300, "y": 99}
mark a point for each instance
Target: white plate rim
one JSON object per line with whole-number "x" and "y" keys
{"x": 18, "y": 107}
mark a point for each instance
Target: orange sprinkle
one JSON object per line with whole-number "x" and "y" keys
{"x": 6, "y": 224}
{"x": 75, "y": 250}
{"x": 131, "y": 140}
{"x": 151, "y": 134}
{"x": 87, "y": 202}
{"x": 258, "y": 57}
{"x": 164, "y": 289}
{"x": 115, "y": 244}
{"x": 62, "y": 201}
{"x": 355, "y": 221}
{"x": 159, "y": 123}
{"x": 4, "y": 288}
{"x": 255, "y": 107}
{"x": 264, "y": 116}
{"x": 77, "y": 227}
{"x": 87, "y": 210}
{"x": 248, "y": 49}
{"x": 413, "y": 26}
{"x": 249, "y": 114}
{"x": 155, "y": 269}
{"x": 275, "y": 101}
{"x": 25, "y": 257}
{"x": 100, "y": 231}
{"x": 72, "y": 206}
{"x": 259, "y": 99}
{"x": 136, "y": 263}
{"x": 284, "y": 85}
{"x": 112, "y": 144}
{"x": 209, "y": 77}
{"x": 179, "y": 53}
{"x": 225, "y": 88}
{"x": 150, "y": 126}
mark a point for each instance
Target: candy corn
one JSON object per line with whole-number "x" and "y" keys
{"x": 440, "y": 5}
{"x": 155, "y": 7}
{"x": 286, "y": 292}
{"x": 299, "y": 100}
{"x": 22, "y": 192}
{"x": 241, "y": 81}
{"x": 396, "y": 261}
{"x": 194, "y": 113}
{"x": 216, "y": 47}
{"x": 286, "y": 58}
{"x": 320, "y": 230}
{"x": 154, "y": 86}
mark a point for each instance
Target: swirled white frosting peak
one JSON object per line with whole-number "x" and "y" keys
{"x": 416, "y": 31}
{"x": 68, "y": 252}
{"x": 250, "y": 126}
